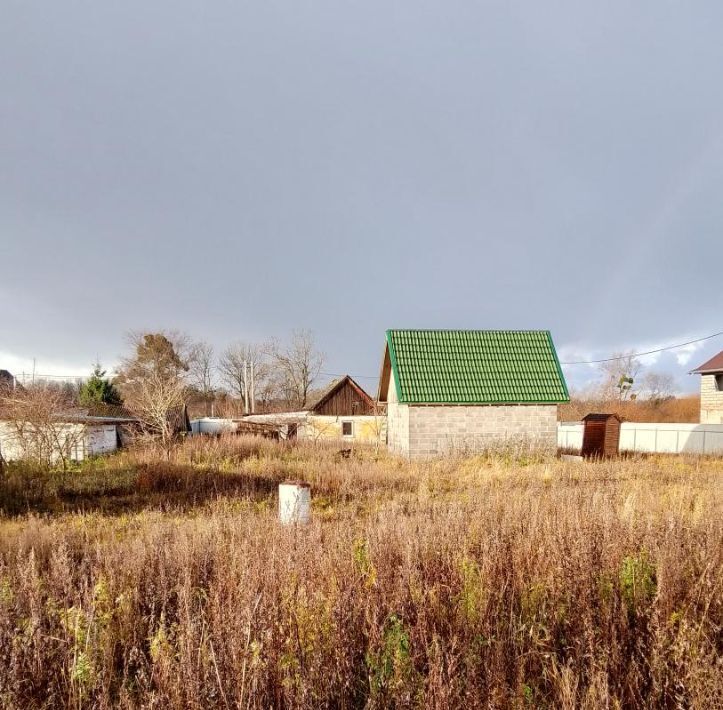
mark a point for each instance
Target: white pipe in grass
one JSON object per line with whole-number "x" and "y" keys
{"x": 294, "y": 502}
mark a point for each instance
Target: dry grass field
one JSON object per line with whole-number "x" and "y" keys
{"x": 676, "y": 410}
{"x": 483, "y": 582}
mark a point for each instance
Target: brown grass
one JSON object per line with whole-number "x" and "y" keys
{"x": 680, "y": 410}
{"x": 459, "y": 583}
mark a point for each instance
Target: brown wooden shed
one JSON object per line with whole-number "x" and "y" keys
{"x": 601, "y": 436}
{"x": 344, "y": 398}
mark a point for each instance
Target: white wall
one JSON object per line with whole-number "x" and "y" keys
{"x": 647, "y": 437}
{"x": 82, "y": 440}
{"x": 711, "y": 401}
{"x": 101, "y": 439}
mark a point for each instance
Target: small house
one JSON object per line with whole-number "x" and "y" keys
{"x": 74, "y": 437}
{"x": 711, "y": 390}
{"x": 468, "y": 390}
{"x": 345, "y": 411}
{"x": 342, "y": 411}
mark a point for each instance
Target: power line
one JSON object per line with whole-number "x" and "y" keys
{"x": 376, "y": 377}
{"x": 647, "y": 352}
{"x": 578, "y": 362}
{"x": 52, "y": 377}
{"x": 356, "y": 377}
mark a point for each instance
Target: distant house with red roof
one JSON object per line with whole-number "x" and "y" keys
{"x": 711, "y": 390}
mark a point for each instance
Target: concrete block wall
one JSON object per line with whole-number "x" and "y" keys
{"x": 439, "y": 430}
{"x": 398, "y": 428}
{"x": 711, "y": 401}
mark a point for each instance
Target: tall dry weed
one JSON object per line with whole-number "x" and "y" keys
{"x": 460, "y": 583}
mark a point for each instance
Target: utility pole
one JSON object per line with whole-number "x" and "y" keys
{"x": 253, "y": 389}
{"x": 246, "y": 387}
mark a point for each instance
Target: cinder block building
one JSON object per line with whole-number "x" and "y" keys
{"x": 711, "y": 390}
{"x": 451, "y": 391}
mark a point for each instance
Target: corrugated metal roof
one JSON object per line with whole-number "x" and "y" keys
{"x": 475, "y": 367}
{"x": 715, "y": 364}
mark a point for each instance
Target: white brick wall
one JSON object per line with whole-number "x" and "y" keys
{"x": 438, "y": 430}
{"x": 711, "y": 401}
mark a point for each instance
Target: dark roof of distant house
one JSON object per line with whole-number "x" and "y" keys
{"x": 475, "y": 367}
{"x": 111, "y": 411}
{"x": 80, "y": 418}
{"x": 715, "y": 364}
{"x": 601, "y": 417}
{"x": 7, "y": 382}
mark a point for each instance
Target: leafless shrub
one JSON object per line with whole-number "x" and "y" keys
{"x": 246, "y": 372}
{"x": 153, "y": 382}
{"x": 202, "y": 371}
{"x": 37, "y": 423}
{"x": 296, "y": 366}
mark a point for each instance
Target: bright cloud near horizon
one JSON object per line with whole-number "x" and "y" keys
{"x": 237, "y": 171}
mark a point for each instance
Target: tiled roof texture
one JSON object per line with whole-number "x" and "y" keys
{"x": 476, "y": 367}
{"x": 715, "y": 364}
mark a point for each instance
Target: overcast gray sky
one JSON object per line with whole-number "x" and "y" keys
{"x": 239, "y": 169}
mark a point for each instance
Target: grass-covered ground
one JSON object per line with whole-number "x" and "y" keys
{"x": 483, "y": 582}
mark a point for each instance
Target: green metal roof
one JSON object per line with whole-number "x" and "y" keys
{"x": 476, "y": 367}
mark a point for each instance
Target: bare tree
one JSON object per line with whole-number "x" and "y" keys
{"x": 246, "y": 371}
{"x": 202, "y": 369}
{"x": 153, "y": 382}
{"x": 297, "y": 366}
{"x": 619, "y": 376}
{"x": 38, "y": 424}
{"x": 658, "y": 386}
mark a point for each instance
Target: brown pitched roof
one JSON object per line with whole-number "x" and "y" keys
{"x": 715, "y": 364}
{"x": 333, "y": 387}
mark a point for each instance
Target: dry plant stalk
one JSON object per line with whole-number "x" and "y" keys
{"x": 468, "y": 582}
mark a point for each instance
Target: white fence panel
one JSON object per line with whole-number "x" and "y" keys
{"x": 651, "y": 437}
{"x": 569, "y": 435}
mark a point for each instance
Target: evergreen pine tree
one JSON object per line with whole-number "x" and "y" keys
{"x": 99, "y": 390}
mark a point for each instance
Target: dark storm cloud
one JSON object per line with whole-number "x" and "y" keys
{"x": 241, "y": 169}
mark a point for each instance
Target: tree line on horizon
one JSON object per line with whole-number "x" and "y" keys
{"x": 162, "y": 373}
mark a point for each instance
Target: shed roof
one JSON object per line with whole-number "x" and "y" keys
{"x": 601, "y": 417}
{"x": 475, "y": 367}
{"x": 715, "y": 364}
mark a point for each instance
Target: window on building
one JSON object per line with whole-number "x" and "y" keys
{"x": 347, "y": 428}
{"x": 719, "y": 382}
